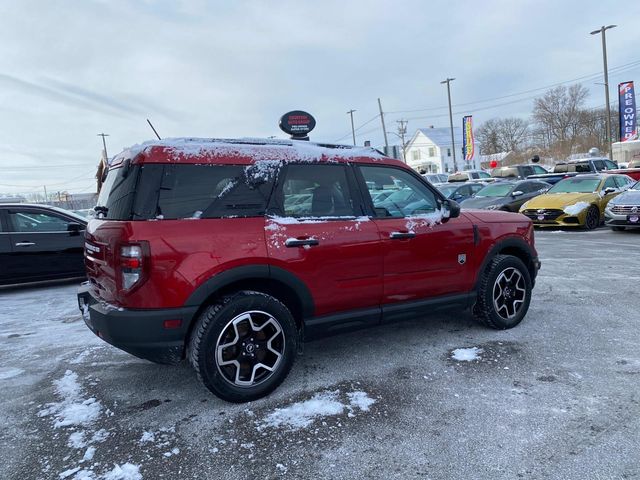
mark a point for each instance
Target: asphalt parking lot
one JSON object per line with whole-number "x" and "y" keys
{"x": 556, "y": 397}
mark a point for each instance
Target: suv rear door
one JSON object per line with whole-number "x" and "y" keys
{"x": 421, "y": 259}
{"x": 317, "y": 231}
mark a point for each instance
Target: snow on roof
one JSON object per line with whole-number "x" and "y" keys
{"x": 442, "y": 136}
{"x": 260, "y": 148}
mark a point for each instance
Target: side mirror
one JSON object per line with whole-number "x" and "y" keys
{"x": 74, "y": 228}
{"x": 517, "y": 193}
{"x": 452, "y": 207}
{"x": 609, "y": 190}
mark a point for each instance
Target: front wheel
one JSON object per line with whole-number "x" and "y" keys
{"x": 243, "y": 347}
{"x": 504, "y": 293}
{"x": 593, "y": 218}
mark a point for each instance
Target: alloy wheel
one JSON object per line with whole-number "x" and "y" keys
{"x": 250, "y": 348}
{"x": 509, "y": 293}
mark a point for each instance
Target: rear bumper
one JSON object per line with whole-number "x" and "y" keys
{"x": 139, "y": 332}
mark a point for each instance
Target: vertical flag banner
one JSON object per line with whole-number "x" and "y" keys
{"x": 627, "y": 109}
{"x": 467, "y": 138}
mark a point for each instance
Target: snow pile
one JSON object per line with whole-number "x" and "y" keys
{"x": 576, "y": 208}
{"x": 126, "y": 471}
{"x": 323, "y": 404}
{"x": 466, "y": 354}
{"x": 73, "y": 409}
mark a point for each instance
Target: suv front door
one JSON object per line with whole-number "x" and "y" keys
{"x": 423, "y": 256}
{"x": 316, "y": 230}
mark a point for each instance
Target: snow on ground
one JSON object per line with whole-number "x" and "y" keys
{"x": 466, "y": 354}
{"x": 323, "y": 404}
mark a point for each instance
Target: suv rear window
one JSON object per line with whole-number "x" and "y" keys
{"x": 188, "y": 191}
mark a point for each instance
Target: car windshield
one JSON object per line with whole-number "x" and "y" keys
{"x": 576, "y": 185}
{"x": 636, "y": 186}
{"x": 447, "y": 190}
{"x": 495, "y": 190}
{"x": 484, "y": 175}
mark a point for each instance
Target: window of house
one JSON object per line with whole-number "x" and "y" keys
{"x": 448, "y": 152}
{"x": 432, "y": 152}
{"x": 415, "y": 155}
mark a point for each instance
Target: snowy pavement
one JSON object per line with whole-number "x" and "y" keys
{"x": 442, "y": 397}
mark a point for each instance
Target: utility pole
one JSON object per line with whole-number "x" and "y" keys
{"x": 353, "y": 130}
{"x": 602, "y": 31}
{"x": 104, "y": 144}
{"x": 402, "y": 130}
{"x": 453, "y": 142}
{"x": 384, "y": 127}
{"x": 45, "y": 193}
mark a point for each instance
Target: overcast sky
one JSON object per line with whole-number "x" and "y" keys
{"x": 70, "y": 70}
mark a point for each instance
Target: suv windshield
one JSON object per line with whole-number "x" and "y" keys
{"x": 495, "y": 190}
{"x": 575, "y": 185}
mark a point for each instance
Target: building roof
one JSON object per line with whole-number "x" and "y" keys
{"x": 442, "y": 136}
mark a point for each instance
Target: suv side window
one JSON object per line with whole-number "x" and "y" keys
{"x": 610, "y": 165}
{"x": 30, "y": 221}
{"x": 599, "y": 165}
{"x": 526, "y": 171}
{"x": 316, "y": 191}
{"x": 621, "y": 181}
{"x": 538, "y": 170}
{"x": 408, "y": 195}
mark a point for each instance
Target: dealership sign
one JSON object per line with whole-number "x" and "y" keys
{"x": 468, "y": 149}
{"x": 628, "y": 114}
{"x": 298, "y": 124}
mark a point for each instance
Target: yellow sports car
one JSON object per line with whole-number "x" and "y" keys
{"x": 576, "y": 201}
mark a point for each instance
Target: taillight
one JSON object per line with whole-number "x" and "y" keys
{"x": 132, "y": 260}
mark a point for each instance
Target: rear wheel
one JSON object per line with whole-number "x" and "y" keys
{"x": 593, "y": 218}
{"x": 504, "y": 293}
{"x": 243, "y": 347}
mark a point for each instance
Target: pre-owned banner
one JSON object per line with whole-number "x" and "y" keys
{"x": 628, "y": 114}
{"x": 467, "y": 138}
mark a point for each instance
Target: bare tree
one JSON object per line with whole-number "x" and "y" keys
{"x": 502, "y": 135}
{"x": 558, "y": 118}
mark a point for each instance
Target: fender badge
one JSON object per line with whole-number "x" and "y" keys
{"x": 462, "y": 258}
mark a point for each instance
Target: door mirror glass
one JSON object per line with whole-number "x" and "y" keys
{"x": 609, "y": 190}
{"x": 74, "y": 227}
{"x": 453, "y": 207}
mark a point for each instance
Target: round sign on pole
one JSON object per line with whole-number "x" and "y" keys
{"x": 493, "y": 164}
{"x": 298, "y": 124}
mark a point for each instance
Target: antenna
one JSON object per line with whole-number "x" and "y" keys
{"x": 154, "y": 130}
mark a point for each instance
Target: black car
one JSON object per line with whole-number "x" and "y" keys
{"x": 505, "y": 195}
{"x": 39, "y": 242}
{"x": 459, "y": 192}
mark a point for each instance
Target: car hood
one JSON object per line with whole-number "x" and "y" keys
{"x": 560, "y": 201}
{"x": 630, "y": 197}
{"x": 484, "y": 202}
{"x": 494, "y": 216}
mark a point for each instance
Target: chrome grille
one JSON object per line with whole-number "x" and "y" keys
{"x": 548, "y": 213}
{"x": 625, "y": 209}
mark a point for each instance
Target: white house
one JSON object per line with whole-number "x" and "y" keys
{"x": 430, "y": 150}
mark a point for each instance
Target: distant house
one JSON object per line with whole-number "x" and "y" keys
{"x": 430, "y": 151}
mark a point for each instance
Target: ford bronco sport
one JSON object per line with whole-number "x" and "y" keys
{"x": 230, "y": 253}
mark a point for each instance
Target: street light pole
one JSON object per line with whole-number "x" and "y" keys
{"x": 453, "y": 142}
{"x": 353, "y": 131}
{"x": 602, "y": 31}
{"x": 104, "y": 144}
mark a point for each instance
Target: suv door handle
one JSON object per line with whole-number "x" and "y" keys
{"x": 25, "y": 244}
{"x": 301, "y": 242}
{"x": 401, "y": 235}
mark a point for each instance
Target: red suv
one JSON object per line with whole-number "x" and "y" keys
{"x": 231, "y": 253}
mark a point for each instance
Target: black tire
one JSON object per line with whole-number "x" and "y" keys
{"x": 592, "y": 221}
{"x": 504, "y": 272}
{"x": 617, "y": 229}
{"x": 236, "y": 339}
